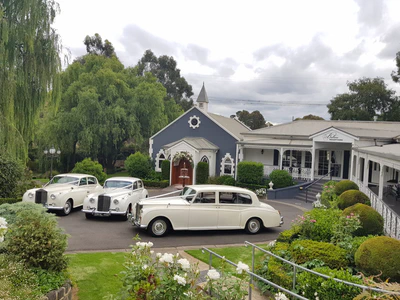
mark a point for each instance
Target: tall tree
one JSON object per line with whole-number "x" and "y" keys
{"x": 254, "y": 120}
{"x": 164, "y": 68}
{"x": 29, "y": 68}
{"x": 396, "y": 74}
{"x": 94, "y": 45}
{"x": 309, "y": 117}
{"x": 366, "y": 98}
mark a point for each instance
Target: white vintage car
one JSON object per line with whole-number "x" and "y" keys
{"x": 205, "y": 207}
{"x": 63, "y": 192}
{"x": 117, "y": 198}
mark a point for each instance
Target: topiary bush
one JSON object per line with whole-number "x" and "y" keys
{"x": 312, "y": 286}
{"x": 371, "y": 220}
{"x": 202, "y": 172}
{"x": 281, "y": 179}
{"x": 306, "y": 250}
{"x": 351, "y": 197}
{"x": 88, "y": 166}
{"x": 379, "y": 254}
{"x": 345, "y": 185}
{"x": 138, "y": 165}
{"x": 36, "y": 239}
{"x": 11, "y": 173}
{"x": 165, "y": 169}
{"x": 250, "y": 172}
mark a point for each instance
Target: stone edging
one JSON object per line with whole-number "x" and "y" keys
{"x": 63, "y": 293}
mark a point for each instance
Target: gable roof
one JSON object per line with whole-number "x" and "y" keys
{"x": 195, "y": 142}
{"x": 306, "y": 128}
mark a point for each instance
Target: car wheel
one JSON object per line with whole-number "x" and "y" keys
{"x": 159, "y": 227}
{"x": 89, "y": 216}
{"x": 67, "y": 207}
{"x": 124, "y": 217}
{"x": 253, "y": 226}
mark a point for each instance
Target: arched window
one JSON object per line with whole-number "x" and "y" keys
{"x": 227, "y": 165}
{"x": 205, "y": 159}
{"x": 159, "y": 159}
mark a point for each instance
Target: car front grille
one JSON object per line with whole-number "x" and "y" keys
{"x": 103, "y": 203}
{"x": 137, "y": 212}
{"x": 41, "y": 196}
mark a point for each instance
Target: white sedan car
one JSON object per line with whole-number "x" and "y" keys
{"x": 205, "y": 207}
{"x": 117, "y": 198}
{"x": 63, "y": 192}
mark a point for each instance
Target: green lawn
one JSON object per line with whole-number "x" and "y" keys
{"x": 234, "y": 254}
{"x": 95, "y": 273}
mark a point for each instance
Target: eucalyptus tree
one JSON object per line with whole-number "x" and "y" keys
{"x": 29, "y": 68}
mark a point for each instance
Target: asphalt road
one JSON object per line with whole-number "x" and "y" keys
{"x": 106, "y": 234}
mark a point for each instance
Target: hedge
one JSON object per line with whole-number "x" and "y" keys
{"x": 158, "y": 184}
{"x": 202, "y": 173}
{"x": 250, "y": 172}
{"x": 249, "y": 186}
{"x": 9, "y": 200}
{"x": 165, "y": 169}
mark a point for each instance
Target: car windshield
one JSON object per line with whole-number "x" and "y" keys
{"x": 64, "y": 179}
{"x": 188, "y": 193}
{"x": 117, "y": 184}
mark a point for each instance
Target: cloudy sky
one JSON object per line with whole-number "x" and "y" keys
{"x": 285, "y": 58}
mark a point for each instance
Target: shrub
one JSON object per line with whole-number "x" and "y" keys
{"x": 288, "y": 236}
{"x": 9, "y": 200}
{"x": 306, "y": 250}
{"x": 379, "y": 254}
{"x": 249, "y": 186}
{"x": 88, "y": 166}
{"x": 10, "y": 173}
{"x": 230, "y": 181}
{"x": 328, "y": 193}
{"x": 322, "y": 228}
{"x": 351, "y": 197}
{"x": 312, "y": 286}
{"x": 202, "y": 173}
{"x": 345, "y": 185}
{"x": 16, "y": 281}
{"x": 157, "y": 184}
{"x": 165, "y": 169}
{"x": 154, "y": 176}
{"x": 371, "y": 220}
{"x": 281, "y": 179}
{"x": 10, "y": 211}
{"x": 138, "y": 165}
{"x": 250, "y": 172}
{"x": 221, "y": 179}
{"x": 36, "y": 239}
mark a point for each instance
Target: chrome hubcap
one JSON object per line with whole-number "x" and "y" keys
{"x": 159, "y": 227}
{"x": 254, "y": 226}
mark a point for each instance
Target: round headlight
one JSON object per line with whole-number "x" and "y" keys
{"x": 30, "y": 195}
{"x": 91, "y": 200}
{"x": 52, "y": 196}
{"x": 116, "y": 202}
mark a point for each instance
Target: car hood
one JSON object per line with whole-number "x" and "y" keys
{"x": 164, "y": 201}
{"x": 54, "y": 188}
{"x": 114, "y": 192}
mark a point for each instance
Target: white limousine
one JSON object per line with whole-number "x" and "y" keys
{"x": 205, "y": 207}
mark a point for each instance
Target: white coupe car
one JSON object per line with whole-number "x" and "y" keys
{"x": 63, "y": 192}
{"x": 117, "y": 198}
{"x": 205, "y": 207}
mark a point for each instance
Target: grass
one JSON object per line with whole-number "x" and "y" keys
{"x": 234, "y": 254}
{"x": 95, "y": 273}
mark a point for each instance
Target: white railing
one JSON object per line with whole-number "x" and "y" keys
{"x": 304, "y": 173}
{"x": 391, "y": 219}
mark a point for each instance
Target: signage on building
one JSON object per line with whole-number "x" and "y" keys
{"x": 333, "y": 136}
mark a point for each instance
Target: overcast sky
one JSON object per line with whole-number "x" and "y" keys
{"x": 249, "y": 54}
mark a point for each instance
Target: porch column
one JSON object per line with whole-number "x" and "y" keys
{"x": 312, "y": 161}
{"x": 381, "y": 175}
{"x": 281, "y": 159}
{"x": 358, "y": 167}
{"x": 366, "y": 171}
{"x": 351, "y": 165}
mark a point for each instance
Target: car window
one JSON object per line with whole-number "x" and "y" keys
{"x": 135, "y": 185}
{"x": 227, "y": 197}
{"x": 83, "y": 181}
{"x": 205, "y": 197}
{"x": 117, "y": 184}
{"x": 243, "y": 199}
{"x": 92, "y": 180}
{"x": 140, "y": 184}
{"x": 64, "y": 179}
{"x": 188, "y": 193}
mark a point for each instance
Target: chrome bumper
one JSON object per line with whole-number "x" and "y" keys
{"x": 281, "y": 222}
{"x": 103, "y": 213}
{"x": 137, "y": 224}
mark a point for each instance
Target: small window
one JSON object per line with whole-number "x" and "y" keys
{"x": 204, "y": 159}
{"x": 140, "y": 184}
{"x": 83, "y": 181}
{"x": 160, "y": 160}
{"x": 243, "y": 199}
{"x": 205, "y": 197}
{"x": 227, "y": 165}
{"x": 92, "y": 180}
{"x": 135, "y": 185}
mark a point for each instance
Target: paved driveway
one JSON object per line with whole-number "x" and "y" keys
{"x": 113, "y": 234}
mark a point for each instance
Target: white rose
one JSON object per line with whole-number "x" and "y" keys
{"x": 213, "y": 274}
{"x": 185, "y": 265}
{"x": 242, "y": 267}
{"x": 180, "y": 279}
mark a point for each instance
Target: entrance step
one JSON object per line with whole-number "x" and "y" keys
{"x": 312, "y": 191}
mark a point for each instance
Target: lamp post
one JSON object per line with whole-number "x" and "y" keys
{"x": 51, "y": 153}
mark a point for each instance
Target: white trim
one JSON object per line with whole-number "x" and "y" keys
{"x": 151, "y": 147}
{"x": 194, "y": 117}
{"x": 227, "y": 156}
{"x": 161, "y": 152}
{"x": 348, "y": 135}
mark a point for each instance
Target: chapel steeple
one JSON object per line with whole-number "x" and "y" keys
{"x": 202, "y": 99}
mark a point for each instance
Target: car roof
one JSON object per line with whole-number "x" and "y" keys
{"x": 75, "y": 175}
{"x": 216, "y": 187}
{"x": 123, "y": 178}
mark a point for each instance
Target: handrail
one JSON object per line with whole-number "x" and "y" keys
{"x": 251, "y": 275}
{"x": 363, "y": 287}
{"x": 314, "y": 182}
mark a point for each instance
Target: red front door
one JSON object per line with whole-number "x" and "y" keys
{"x": 177, "y": 171}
